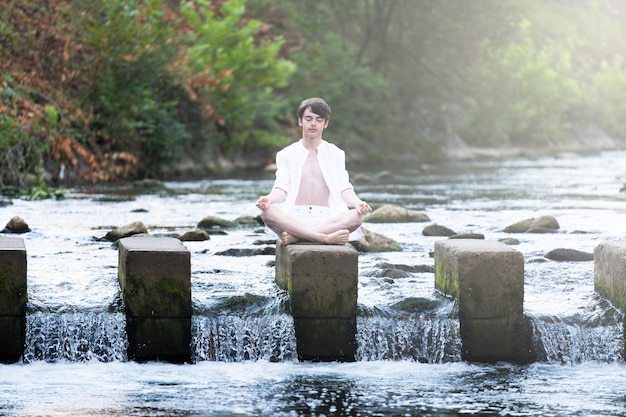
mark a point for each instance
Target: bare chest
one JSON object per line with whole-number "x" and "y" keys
{"x": 313, "y": 188}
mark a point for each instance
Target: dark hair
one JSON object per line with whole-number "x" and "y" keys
{"x": 317, "y": 106}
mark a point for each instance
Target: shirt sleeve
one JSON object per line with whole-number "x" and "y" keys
{"x": 282, "y": 171}
{"x": 343, "y": 178}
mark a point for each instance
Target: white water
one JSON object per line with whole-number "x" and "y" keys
{"x": 75, "y": 363}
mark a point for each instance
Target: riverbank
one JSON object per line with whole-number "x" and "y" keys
{"x": 584, "y": 141}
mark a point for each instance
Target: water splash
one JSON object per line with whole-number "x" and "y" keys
{"x": 75, "y": 337}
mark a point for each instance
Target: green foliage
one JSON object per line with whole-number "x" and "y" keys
{"x": 21, "y": 150}
{"x": 606, "y": 97}
{"x": 242, "y": 72}
{"x": 43, "y": 192}
{"x": 131, "y": 93}
{"x": 519, "y": 94}
{"x": 160, "y": 78}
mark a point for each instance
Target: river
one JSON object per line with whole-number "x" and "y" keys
{"x": 408, "y": 360}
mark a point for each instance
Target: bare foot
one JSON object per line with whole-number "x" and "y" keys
{"x": 340, "y": 237}
{"x": 288, "y": 239}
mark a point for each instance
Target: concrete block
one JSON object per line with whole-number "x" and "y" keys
{"x": 325, "y": 340}
{"x": 501, "y": 339}
{"x": 13, "y": 298}
{"x": 322, "y": 280}
{"x": 13, "y": 287}
{"x": 159, "y": 339}
{"x": 12, "y": 338}
{"x": 155, "y": 276}
{"x": 609, "y": 259}
{"x": 486, "y": 277}
{"x": 487, "y": 280}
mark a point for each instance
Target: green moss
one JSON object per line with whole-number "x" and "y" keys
{"x": 446, "y": 282}
{"x": 617, "y": 295}
{"x": 170, "y": 287}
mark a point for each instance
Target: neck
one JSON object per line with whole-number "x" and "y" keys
{"x": 311, "y": 143}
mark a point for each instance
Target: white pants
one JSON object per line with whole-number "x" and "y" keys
{"x": 312, "y": 216}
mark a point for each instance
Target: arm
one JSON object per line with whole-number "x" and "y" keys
{"x": 275, "y": 195}
{"x": 352, "y": 200}
{"x": 281, "y": 184}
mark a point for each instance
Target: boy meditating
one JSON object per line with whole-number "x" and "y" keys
{"x": 318, "y": 201}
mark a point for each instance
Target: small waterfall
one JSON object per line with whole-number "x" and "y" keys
{"x": 101, "y": 336}
{"x": 232, "y": 338}
{"x": 570, "y": 341}
{"x": 75, "y": 337}
{"x": 415, "y": 338}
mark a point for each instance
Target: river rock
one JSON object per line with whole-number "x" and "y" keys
{"x": 238, "y": 252}
{"x": 389, "y": 213}
{"x": 210, "y": 222}
{"x": 197, "y": 235}
{"x": 437, "y": 230}
{"x": 374, "y": 242}
{"x": 248, "y": 221}
{"x": 509, "y": 241}
{"x": 408, "y": 268}
{"x": 148, "y": 183}
{"x": 573, "y": 255}
{"x": 16, "y": 225}
{"x": 543, "y": 224}
{"x": 468, "y": 236}
{"x": 418, "y": 304}
{"x": 385, "y": 269}
{"x": 135, "y": 228}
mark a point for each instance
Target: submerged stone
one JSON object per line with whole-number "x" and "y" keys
{"x": 562, "y": 254}
{"x": 543, "y": 224}
{"x": 375, "y": 242}
{"x": 135, "y": 228}
{"x": 210, "y": 222}
{"x": 437, "y": 230}
{"x": 389, "y": 213}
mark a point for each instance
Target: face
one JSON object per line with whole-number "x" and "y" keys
{"x": 312, "y": 124}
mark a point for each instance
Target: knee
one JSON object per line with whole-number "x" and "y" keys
{"x": 264, "y": 216}
{"x": 358, "y": 218}
{"x": 269, "y": 215}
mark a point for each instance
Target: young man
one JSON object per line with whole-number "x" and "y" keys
{"x": 312, "y": 180}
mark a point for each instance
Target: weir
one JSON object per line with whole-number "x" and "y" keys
{"x": 322, "y": 286}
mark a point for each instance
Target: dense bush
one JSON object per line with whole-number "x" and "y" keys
{"x": 102, "y": 91}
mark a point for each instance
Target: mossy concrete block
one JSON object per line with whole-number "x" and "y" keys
{"x": 499, "y": 339}
{"x": 322, "y": 280}
{"x": 155, "y": 276}
{"x": 159, "y": 339}
{"x": 13, "y": 287}
{"x": 486, "y": 277}
{"x": 13, "y": 299}
{"x": 609, "y": 260}
{"x": 325, "y": 340}
{"x": 12, "y": 338}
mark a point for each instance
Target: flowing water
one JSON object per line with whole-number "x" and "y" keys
{"x": 244, "y": 356}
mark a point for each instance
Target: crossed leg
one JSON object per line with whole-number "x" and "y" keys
{"x": 334, "y": 231}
